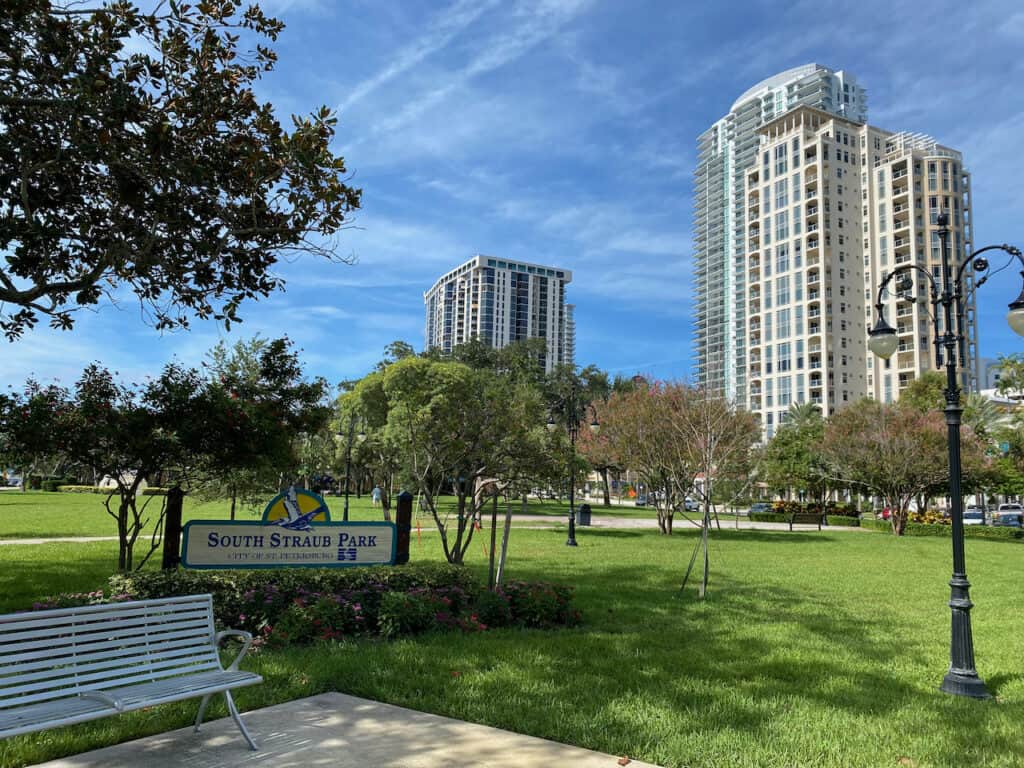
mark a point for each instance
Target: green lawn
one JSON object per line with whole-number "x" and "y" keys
{"x": 813, "y": 649}
{"x": 37, "y": 514}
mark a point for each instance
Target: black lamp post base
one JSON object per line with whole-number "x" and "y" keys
{"x": 964, "y": 682}
{"x": 571, "y": 543}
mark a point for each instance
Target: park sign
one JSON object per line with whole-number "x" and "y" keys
{"x": 295, "y": 532}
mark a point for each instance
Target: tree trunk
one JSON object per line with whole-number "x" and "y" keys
{"x": 234, "y": 499}
{"x": 494, "y": 534}
{"x": 504, "y": 541}
{"x": 172, "y": 528}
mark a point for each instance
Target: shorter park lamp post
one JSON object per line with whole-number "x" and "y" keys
{"x": 570, "y": 408}
{"x": 348, "y": 458}
{"x": 948, "y": 294}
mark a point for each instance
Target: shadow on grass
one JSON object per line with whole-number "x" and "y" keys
{"x": 39, "y": 570}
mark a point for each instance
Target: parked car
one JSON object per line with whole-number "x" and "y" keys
{"x": 641, "y": 500}
{"x": 691, "y": 505}
{"x": 974, "y": 515}
{"x": 759, "y": 507}
{"x": 1009, "y": 520}
{"x": 14, "y": 481}
{"x": 1011, "y": 507}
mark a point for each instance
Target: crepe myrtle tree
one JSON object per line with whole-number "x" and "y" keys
{"x": 135, "y": 159}
{"x": 897, "y": 453}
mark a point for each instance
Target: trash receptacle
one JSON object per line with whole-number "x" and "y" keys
{"x": 583, "y": 515}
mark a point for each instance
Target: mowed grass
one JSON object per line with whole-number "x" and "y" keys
{"x": 38, "y": 514}
{"x": 812, "y": 649}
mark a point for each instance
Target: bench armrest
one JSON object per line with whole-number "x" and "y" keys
{"x": 106, "y": 698}
{"x": 246, "y": 639}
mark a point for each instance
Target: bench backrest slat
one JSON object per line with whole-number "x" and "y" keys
{"x": 47, "y": 655}
{"x": 30, "y": 661}
{"x": 106, "y": 667}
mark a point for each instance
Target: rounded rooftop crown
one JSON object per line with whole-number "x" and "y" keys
{"x": 780, "y": 79}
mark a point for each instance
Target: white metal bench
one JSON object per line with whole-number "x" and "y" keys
{"x": 69, "y": 665}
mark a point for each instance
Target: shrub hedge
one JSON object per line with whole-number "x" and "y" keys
{"x": 970, "y": 531}
{"x": 844, "y": 520}
{"x": 300, "y": 605}
{"x": 769, "y": 517}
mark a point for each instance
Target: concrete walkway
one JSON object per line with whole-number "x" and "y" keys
{"x": 341, "y": 731}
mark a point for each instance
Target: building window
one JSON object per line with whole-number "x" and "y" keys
{"x": 781, "y": 257}
{"x": 783, "y": 354}
{"x": 781, "y": 193}
{"x": 782, "y": 324}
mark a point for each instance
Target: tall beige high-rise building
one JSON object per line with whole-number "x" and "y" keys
{"x": 725, "y": 152}
{"x": 832, "y": 206}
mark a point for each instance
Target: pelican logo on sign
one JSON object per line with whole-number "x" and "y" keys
{"x": 296, "y": 509}
{"x": 295, "y": 531}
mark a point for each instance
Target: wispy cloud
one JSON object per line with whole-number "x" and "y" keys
{"x": 445, "y": 27}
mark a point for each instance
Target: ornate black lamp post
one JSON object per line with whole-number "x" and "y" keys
{"x": 348, "y": 458}
{"x": 948, "y": 293}
{"x": 571, "y": 408}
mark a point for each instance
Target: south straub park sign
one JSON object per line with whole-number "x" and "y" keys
{"x": 296, "y": 531}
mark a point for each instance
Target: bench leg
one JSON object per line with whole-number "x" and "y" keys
{"x": 202, "y": 711}
{"x": 238, "y": 720}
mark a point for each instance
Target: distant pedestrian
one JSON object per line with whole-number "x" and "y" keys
{"x": 375, "y": 495}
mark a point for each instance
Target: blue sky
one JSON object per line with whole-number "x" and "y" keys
{"x": 563, "y": 132}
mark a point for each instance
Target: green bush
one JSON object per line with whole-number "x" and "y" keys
{"x": 842, "y": 520}
{"x": 494, "y": 609}
{"x": 408, "y": 613}
{"x": 970, "y": 531}
{"x": 539, "y": 604}
{"x": 81, "y": 489}
{"x": 316, "y": 617}
{"x": 769, "y": 517}
{"x": 233, "y": 590}
{"x": 51, "y": 484}
{"x": 874, "y": 524}
{"x": 301, "y": 605}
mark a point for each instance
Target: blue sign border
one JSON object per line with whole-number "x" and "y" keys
{"x": 252, "y": 567}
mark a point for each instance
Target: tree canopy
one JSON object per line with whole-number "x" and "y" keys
{"x": 135, "y": 158}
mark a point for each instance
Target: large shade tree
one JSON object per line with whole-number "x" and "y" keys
{"x": 135, "y": 159}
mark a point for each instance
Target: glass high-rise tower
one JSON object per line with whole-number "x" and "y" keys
{"x": 726, "y": 151}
